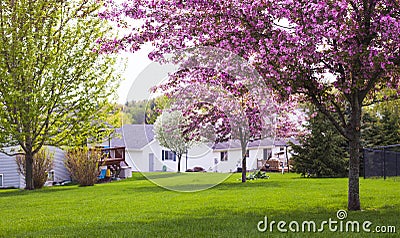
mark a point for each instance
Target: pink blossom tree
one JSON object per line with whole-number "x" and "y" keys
{"x": 225, "y": 103}
{"x": 336, "y": 54}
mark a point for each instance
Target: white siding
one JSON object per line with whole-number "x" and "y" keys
{"x": 199, "y": 156}
{"x": 135, "y": 159}
{"x": 60, "y": 172}
{"x": 8, "y": 167}
{"x": 11, "y": 177}
{"x": 233, "y": 162}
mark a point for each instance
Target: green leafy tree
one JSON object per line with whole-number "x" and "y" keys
{"x": 117, "y": 117}
{"x": 135, "y": 111}
{"x": 322, "y": 152}
{"x": 145, "y": 111}
{"x": 155, "y": 108}
{"x": 391, "y": 127}
{"x": 54, "y": 87}
{"x": 381, "y": 126}
{"x": 371, "y": 130}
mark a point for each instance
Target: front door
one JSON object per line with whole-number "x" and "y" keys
{"x": 151, "y": 162}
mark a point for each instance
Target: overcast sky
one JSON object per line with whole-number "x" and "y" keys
{"x": 140, "y": 75}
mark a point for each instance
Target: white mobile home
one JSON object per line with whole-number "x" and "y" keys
{"x": 10, "y": 177}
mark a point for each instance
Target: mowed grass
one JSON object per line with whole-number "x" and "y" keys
{"x": 138, "y": 208}
{"x": 187, "y": 182}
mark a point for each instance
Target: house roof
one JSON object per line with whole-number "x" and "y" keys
{"x": 137, "y": 136}
{"x": 235, "y": 144}
{"x": 231, "y": 144}
{"x": 134, "y": 136}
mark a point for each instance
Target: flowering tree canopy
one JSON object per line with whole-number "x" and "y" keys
{"x": 335, "y": 53}
{"x": 225, "y": 103}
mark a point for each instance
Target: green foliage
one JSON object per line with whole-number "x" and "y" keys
{"x": 322, "y": 153}
{"x": 42, "y": 164}
{"x": 381, "y": 126}
{"x": 257, "y": 175}
{"x": 117, "y": 117}
{"x": 54, "y": 88}
{"x": 145, "y": 111}
{"x": 135, "y": 112}
{"x": 83, "y": 165}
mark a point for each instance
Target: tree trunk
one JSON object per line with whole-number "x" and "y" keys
{"x": 354, "y": 171}
{"x": 179, "y": 162}
{"x": 354, "y": 163}
{"x": 243, "y": 144}
{"x": 29, "y": 171}
{"x": 244, "y": 162}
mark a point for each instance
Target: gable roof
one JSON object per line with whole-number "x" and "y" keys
{"x": 132, "y": 136}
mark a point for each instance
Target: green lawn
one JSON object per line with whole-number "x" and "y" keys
{"x": 138, "y": 208}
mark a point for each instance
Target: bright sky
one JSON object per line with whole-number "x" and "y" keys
{"x": 136, "y": 62}
{"x": 140, "y": 75}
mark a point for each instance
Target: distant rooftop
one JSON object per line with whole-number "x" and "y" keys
{"x": 235, "y": 144}
{"x": 134, "y": 136}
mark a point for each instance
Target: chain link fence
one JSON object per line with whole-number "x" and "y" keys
{"x": 382, "y": 161}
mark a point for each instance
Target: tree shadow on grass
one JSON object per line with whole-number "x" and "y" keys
{"x": 203, "y": 222}
{"x": 22, "y": 192}
{"x": 265, "y": 183}
{"x": 223, "y": 186}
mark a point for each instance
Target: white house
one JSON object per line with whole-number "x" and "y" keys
{"x": 145, "y": 154}
{"x": 259, "y": 153}
{"x": 10, "y": 177}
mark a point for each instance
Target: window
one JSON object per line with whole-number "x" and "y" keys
{"x": 267, "y": 154}
{"x": 281, "y": 148}
{"x": 1, "y": 180}
{"x": 168, "y": 155}
{"x": 247, "y": 153}
{"x": 224, "y": 155}
{"x": 50, "y": 176}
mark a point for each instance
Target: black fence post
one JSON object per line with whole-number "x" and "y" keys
{"x": 364, "y": 162}
{"x": 376, "y": 161}
{"x": 384, "y": 164}
{"x": 397, "y": 168}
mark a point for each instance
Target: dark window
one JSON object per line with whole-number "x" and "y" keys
{"x": 267, "y": 154}
{"x": 168, "y": 155}
{"x": 247, "y": 153}
{"x": 282, "y": 149}
{"x": 1, "y": 180}
{"x": 118, "y": 153}
{"x": 224, "y": 155}
{"x": 50, "y": 176}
